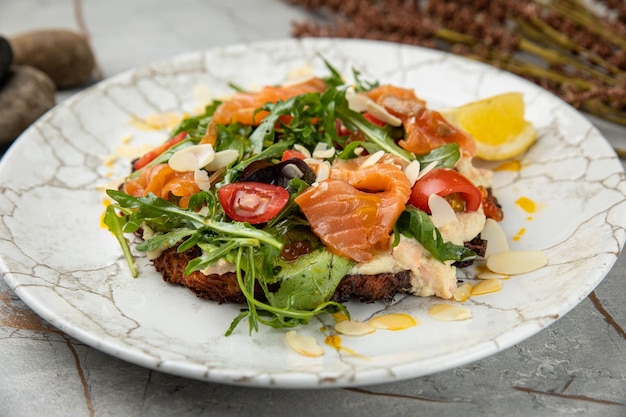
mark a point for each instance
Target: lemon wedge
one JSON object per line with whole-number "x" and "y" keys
{"x": 497, "y": 124}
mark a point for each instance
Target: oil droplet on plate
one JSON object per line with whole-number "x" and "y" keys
{"x": 526, "y": 204}
{"x": 157, "y": 121}
{"x": 519, "y": 234}
{"x": 514, "y": 166}
{"x": 334, "y": 341}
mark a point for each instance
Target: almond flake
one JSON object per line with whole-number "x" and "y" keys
{"x": 222, "y": 159}
{"x": 357, "y": 102}
{"x": 427, "y": 169}
{"x": 449, "y": 312}
{"x": 487, "y": 286}
{"x": 442, "y": 212}
{"x": 412, "y": 172}
{"x": 496, "y": 238}
{"x": 304, "y": 345}
{"x": 292, "y": 171}
{"x": 463, "y": 292}
{"x": 304, "y": 151}
{"x": 192, "y": 158}
{"x": 323, "y": 172}
{"x": 516, "y": 262}
{"x": 393, "y": 322}
{"x": 372, "y": 159}
{"x": 382, "y": 114}
{"x": 201, "y": 178}
{"x": 322, "y": 151}
{"x": 491, "y": 275}
{"x": 354, "y": 328}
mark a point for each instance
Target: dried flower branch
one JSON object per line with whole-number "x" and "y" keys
{"x": 564, "y": 46}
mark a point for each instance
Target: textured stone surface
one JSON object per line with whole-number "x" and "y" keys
{"x": 574, "y": 367}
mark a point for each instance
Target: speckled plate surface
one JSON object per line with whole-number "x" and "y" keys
{"x": 60, "y": 260}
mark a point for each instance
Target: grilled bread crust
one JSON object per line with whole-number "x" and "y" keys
{"x": 224, "y": 288}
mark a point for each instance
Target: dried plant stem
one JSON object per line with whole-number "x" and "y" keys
{"x": 540, "y": 30}
{"x": 587, "y": 20}
{"x": 562, "y": 45}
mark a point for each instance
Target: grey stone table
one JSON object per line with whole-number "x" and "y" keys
{"x": 575, "y": 367}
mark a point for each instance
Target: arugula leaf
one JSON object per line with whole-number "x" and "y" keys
{"x": 381, "y": 136}
{"x": 334, "y": 79}
{"x": 116, "y": 224}
{"x": 279, "y": 317}
{"x": 446, "y": 156}
{"x": 212, "y": 253}
{"x": 196, "y": 126}
{"x": 265, "y": 132}
{"x": 295, "y": 187}
{"x": 233, "y": 136}
{"x": 361, "y": 85}
{"x": 165, "y": 240}
{"x": 309, "y": 280}
{"x": 160, "y": 212}
{"x": 414, "y": 223}
{"x": 274, "y": 151}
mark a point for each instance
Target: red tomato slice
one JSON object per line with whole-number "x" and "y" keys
{"x": 370, "y": 117}
{"x": 252, "y": 202}
{"x": 443, "y": 182}
{"x": 292, "y": 153}
{"x": 341, "y": 129}
{"x": 153, "y": 154}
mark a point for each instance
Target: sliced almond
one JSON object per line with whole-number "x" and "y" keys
{"x": 463, "y": 292}
{"x": 491, "y": 275}
{"x": 323, "y": 171}
{"x": 412, "y": 172}
{"x": 357, "y": 102}
{"x": 393, "y": 322}
{"x": 382, "y": 114}
{"x": 487, "y": 286}
{"x": 304, "y": 151}
{"x": 427, "y": 169}
{"x": 192, "y": 158}
{"x": 442, "y": 212}
{"x": 449, "y": 312}
{"x": 354, "y": 328}
{"x": 372, "y": 159}
{"x": 496, "y": 238}
{"x": 304, "y": 345}
{"x": 292, "y": 171}
{"x": 322, "y": 151}
{"x": 201, "y": 177}
{"x": 516, "y": 262}
{"x": 222, "y": 159}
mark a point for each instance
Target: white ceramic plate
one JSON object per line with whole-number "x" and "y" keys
{"x": 60, "y": 260}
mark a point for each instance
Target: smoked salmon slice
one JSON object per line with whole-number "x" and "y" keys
{"x": 430, "y": 130}
{"x": 354, "y": 211}
{"x": 243, "y": 106}
{"x": 425, "y": 129}
{"x": 161, "y": 180}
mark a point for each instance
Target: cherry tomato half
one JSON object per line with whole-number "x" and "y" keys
{"x": 292, "y": 153}
{"x": 371, "y": 118}
{"x": 252, "y": 202}
{"x": 444, "y": 182}
{"x": 153, "y": 154}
